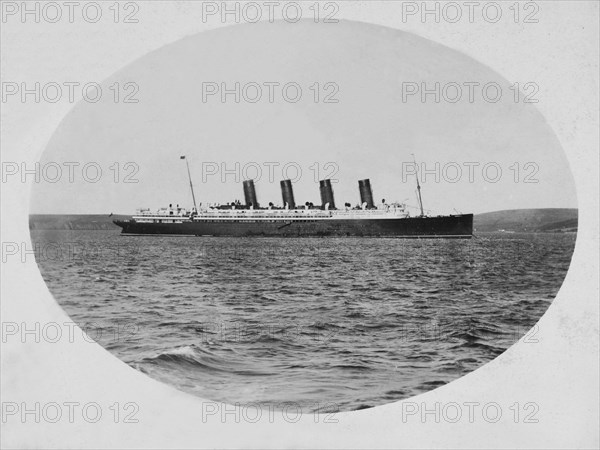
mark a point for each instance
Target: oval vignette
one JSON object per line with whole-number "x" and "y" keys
{"x": 336, "y": 323}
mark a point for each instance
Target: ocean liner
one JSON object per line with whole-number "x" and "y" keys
{"x": 292, "y": 220}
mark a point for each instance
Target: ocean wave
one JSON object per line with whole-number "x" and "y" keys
{"x": 188, "y": 355}
{"x": 359, "y": 333}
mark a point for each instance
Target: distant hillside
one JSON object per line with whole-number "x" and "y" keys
{"x": 538, "y": 220}
{"x": 73, "y": 221}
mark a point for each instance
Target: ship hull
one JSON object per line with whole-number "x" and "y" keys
{"x": 456, "y": 226}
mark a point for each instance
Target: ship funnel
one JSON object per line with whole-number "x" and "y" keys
{"x": 326, "y": 194}
{"x": 250, "y": 194}
{"x": 366, "y": 193}
{"x": 287, "y": 194}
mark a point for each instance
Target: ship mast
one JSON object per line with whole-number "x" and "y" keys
{"x": 418, "y": 185}
{"x": 190, "y": 177}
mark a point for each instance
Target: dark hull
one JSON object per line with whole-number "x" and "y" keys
{"x": 458, "y": 226}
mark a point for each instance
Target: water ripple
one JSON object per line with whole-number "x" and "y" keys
{"x": 356, "y": 322}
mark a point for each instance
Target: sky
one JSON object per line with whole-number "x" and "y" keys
{"x": 474, "y": 156}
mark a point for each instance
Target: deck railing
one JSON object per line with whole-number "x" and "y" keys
{"x": 275, "y": 213}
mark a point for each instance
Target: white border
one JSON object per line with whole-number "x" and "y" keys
{"x": 559, "y": 373}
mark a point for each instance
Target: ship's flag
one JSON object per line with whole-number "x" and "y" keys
{"x": 182, "y": 157}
